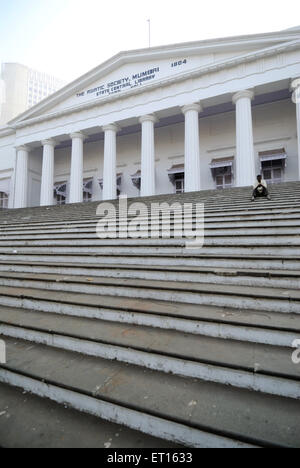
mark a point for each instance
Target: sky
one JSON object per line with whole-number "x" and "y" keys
{"x": 67, "y": 38}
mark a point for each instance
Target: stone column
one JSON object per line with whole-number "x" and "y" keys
{"x": 110, "y": 162}
{"x": 245, "y": 160}
{"x": 21, "y": 178}
{"x": 76, "y": 179}
{"x": 47, "y": 173}
{"x": 192, "y": 179}
{"x": 148, "y": 155}
{"x": 296, "y": 100}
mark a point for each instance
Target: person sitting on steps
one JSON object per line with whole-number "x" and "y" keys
{"x": 260, "y": 189}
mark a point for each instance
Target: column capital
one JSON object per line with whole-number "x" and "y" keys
{"x": 246, "y": 93}
{"x": 110, "y": 127}
{"x": 196, "y": 106}
{"x": 80, "y": 135}
{"x": 295, "y": 84}
{"x": 49, "y": 142}
{"x": 22, "y": 148}
{"x": 148, "y": 118}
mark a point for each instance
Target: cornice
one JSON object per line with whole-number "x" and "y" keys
{"x": 199, "y": 71}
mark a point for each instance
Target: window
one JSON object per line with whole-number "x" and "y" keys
{"x": 87, "y": 197}
{"x": 272, "y": 171}
{"x": 273, "y": 163}
{"x": 60, "y": 194}
{"x": 3, "y": 200}
{"x": 176, "y": 176}
{"x": 136, "y": 179}
{"x": 60, "y": 199}
{"x": 223, "y": 177}
{"x": 118, "y": 183}
{"x": 222, "y": 172}
{"x": 179, "y": 183}
{"x": 88, "y": 190}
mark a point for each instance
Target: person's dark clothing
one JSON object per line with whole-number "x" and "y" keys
{"x": 260, "y": 191}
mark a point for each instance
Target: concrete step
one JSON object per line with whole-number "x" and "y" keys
{"x": 292, "y": 239}
{"x": 190, "y": 412}
{"x": 215, "y": 321}
{"x": 29, "y": 421}
{"x": 287, "y": 386}
{"x": 215, "y": 260}
{"x": 130, "y": 248}
{"x": 283, "y": 195}
{"x": 285, "y": 217}
{"x": 168, "y": 345}
{"x": 126, "y": 329}
{"x": 217, "y": 216}
{"x": 255, "y": 278}
{"x": 232, "y": 211}
{"x": 284, "y": 220}
{"x": 81, "y": 236}
{"x": 241, "y": 297}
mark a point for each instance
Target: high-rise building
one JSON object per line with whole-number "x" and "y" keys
{"x": 21, "y": 88}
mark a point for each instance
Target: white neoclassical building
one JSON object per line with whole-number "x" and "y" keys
{"x": 185, "y": 117}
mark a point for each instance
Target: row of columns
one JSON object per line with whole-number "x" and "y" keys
{"x": 245, "y": 159}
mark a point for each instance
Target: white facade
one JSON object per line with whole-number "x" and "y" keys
{"x": 203, "y": 115}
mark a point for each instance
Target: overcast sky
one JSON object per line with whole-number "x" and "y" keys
{"x": 66, "y": 38}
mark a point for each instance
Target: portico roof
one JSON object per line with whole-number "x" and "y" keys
{"x": 240, "y": 49}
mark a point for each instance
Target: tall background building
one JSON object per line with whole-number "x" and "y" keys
{"x": 21, "y": 88}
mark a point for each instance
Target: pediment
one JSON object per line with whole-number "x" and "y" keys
{"x": 129, "y": 71}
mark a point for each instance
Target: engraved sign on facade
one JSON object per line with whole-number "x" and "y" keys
{"x": 131, "y": 81}
{"x": 127, "y": 82}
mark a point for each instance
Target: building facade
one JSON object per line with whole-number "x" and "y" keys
{"x": 186, "y": 117}
{"x": 22, "y": 88}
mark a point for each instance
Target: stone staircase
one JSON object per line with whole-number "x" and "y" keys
{"x": 193, "y": 347}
